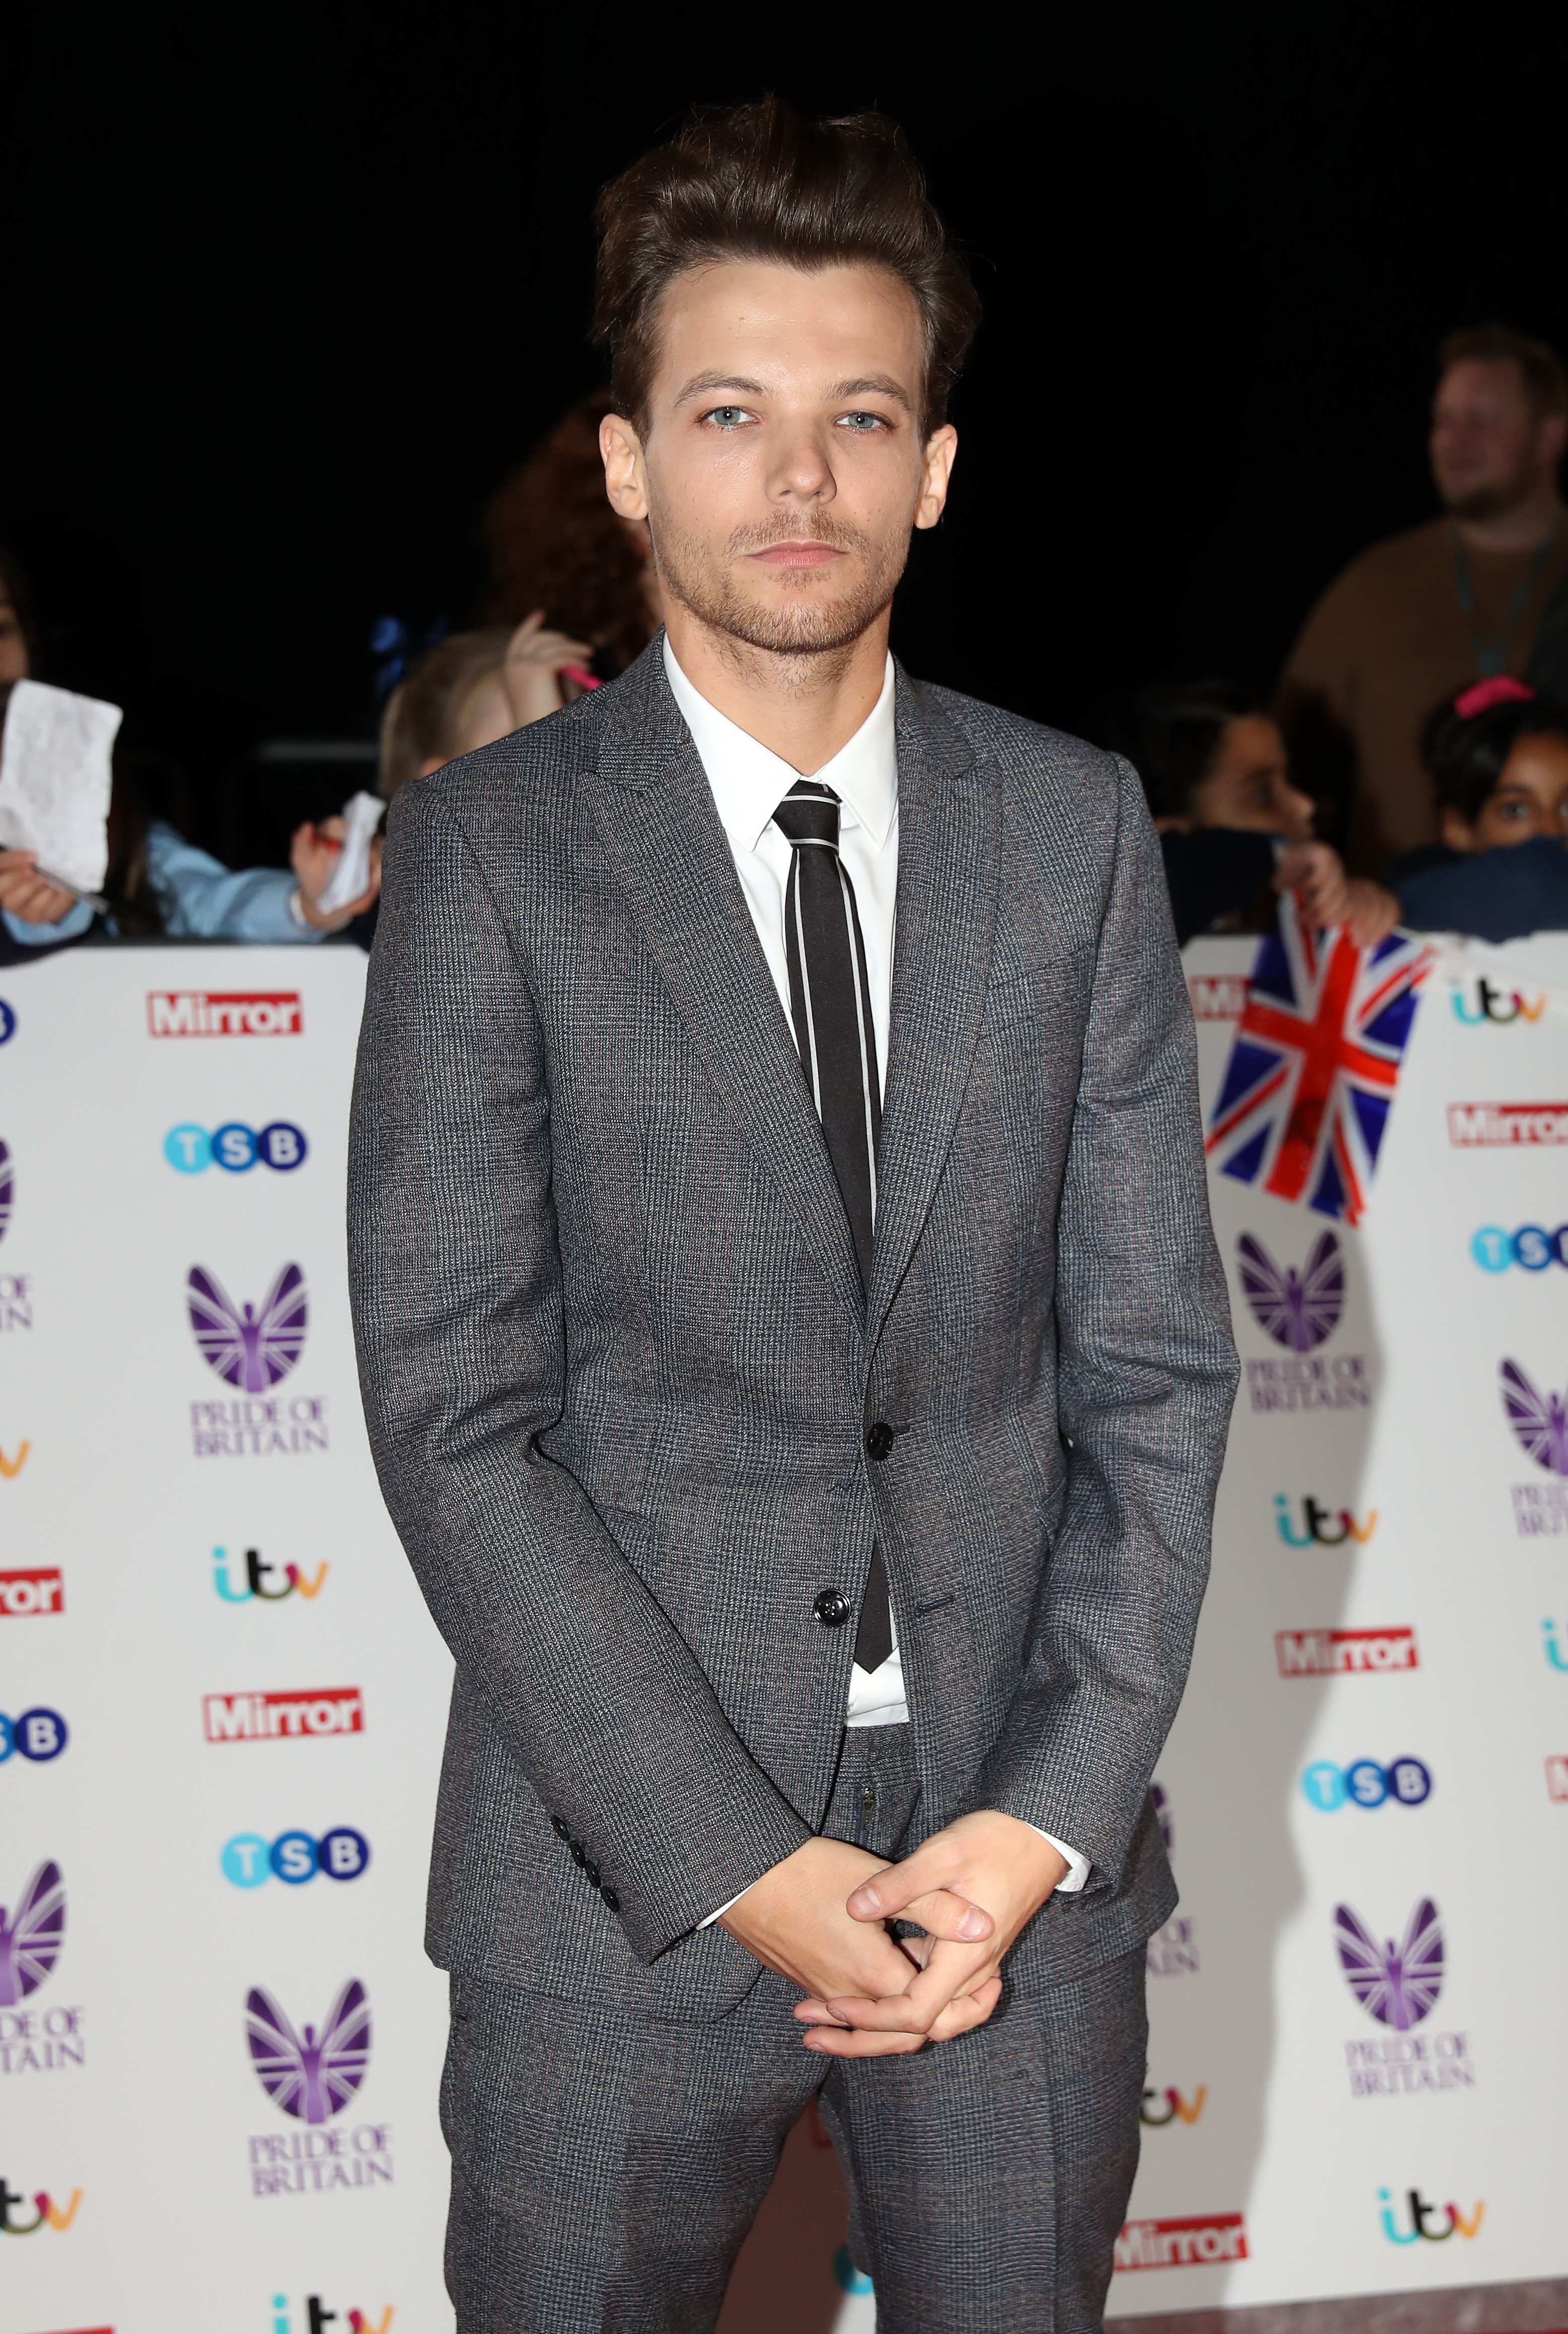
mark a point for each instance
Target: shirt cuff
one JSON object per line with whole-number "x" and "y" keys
{"x": 724, "y": 1908}
{"x": 1076, "y": 1875}
{"x": 76, "y": 920}
{"x": 1077, "y": 1866}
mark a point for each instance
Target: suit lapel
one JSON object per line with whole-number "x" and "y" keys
{"x": 946, "y": 913}
{"x": 655, "y": 811}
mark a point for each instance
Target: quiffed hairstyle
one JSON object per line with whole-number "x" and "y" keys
{"x": 1541, "y": 370}
{"x": 760, "y": 182}
{"x": 1174, "y": 741}
{"x": 1466, "y": 740}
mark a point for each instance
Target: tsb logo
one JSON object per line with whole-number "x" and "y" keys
{"x": 26, "y": 1595}
{"x": 294, "y": 1857}
{"x": 235, "y": 1147}
{"x": 1364, "y": 1784}
{"x": 196, "y": 1013}
{"x": 1531, "y": 1245}
{"x": 37, "y": 1734}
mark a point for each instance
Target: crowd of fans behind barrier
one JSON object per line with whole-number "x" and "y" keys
{"x": 1421, "y": 717}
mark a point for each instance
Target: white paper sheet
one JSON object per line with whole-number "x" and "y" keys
{"x": 54, "y": 780}
{"x": 361, "y": 816}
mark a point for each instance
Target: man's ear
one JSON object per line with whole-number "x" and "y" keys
{"x": 1456, "y": 831}
{"x": 942, "y": 451}
{"x": 620, "y": 450}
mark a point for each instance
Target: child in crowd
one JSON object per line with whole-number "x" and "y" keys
{"x": 1498, "y": 756}
{"x": 1234, "y": 831}
{"x": 471, "y": 690}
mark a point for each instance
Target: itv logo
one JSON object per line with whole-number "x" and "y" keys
{"x": 318, "y": 2317}
{"x": 257, "y": 1575}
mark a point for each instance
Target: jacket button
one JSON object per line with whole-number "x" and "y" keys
{"x": 593, "y": 1874}
{"x": 611, "y": 1901}
{"x": 579, "y": 1854}
{"x": 558, "y": 1826}
{"x": 832, "y": 1607}
{"x": 879, "y": 1439}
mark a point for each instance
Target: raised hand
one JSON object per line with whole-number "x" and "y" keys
{"x": 988, "y": 1862}
{"x": 313, "y": 852}
{"x": 534, "y": 661}
{"x": 24, "y": 893}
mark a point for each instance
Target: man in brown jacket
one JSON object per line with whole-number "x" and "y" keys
{"x": 1416, "y": 617}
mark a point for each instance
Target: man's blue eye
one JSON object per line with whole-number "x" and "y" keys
{"x": 862, "y": 422}
{"x": 727, "y": 416}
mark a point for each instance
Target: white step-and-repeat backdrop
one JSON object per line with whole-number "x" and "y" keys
{"x": 223, "y": 1702}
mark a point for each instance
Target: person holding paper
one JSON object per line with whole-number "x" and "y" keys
{"x": 154, "y": 879}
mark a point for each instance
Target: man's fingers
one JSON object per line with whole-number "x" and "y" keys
{"x": 825, "y": 2042}
{"x": 898, "y": 1888}
{"x": 960, "y": 2017}
{"x": 968, "y": 2011}
{"x": 851, "y": 2042}
{"x": 943, "y": 1915}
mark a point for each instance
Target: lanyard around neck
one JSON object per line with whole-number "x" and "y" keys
{"x": 1492, "y": 655}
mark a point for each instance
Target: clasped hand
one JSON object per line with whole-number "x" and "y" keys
{"x": 821, "y": 1919}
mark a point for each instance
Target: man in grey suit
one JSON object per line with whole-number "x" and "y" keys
{"x": 793, "y": 1342}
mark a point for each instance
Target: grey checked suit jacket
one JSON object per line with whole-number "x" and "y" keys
{"x": 618, "y": 1369}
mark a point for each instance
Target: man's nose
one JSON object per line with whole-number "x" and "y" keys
{"x": 802, "y": 469}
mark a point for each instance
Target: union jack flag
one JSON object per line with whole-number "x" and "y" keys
{"x": 1314, "y": 1064}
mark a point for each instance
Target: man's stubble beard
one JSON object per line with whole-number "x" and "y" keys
{"x": 806, "y": 629}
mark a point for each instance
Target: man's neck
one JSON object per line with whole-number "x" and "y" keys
{"x": 1522, "y": 528}
{"x": 804, "y": 709}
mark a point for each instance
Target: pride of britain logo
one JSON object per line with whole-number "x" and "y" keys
{"x": 37, "y": 2040}
{"x": 1539, "y": 1419}
{"x": 253, "y": 1348}
{"x": 1300, "y": 1306}
{"x": 1399, "y": 1985}
{"x": 312, "y": 2076}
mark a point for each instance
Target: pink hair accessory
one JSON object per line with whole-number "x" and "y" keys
{"x": 1501, "y": 690}
{"x": 586, "y": 680}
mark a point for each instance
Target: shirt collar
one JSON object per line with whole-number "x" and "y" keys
{"x": 749, "y": 780}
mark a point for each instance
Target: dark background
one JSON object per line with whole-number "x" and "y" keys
{"x": 291, "y": 293}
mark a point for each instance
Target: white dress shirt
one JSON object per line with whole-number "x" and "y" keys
{"x": 748, "y": 783}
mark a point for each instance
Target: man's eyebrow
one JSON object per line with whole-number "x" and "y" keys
{"x": 878, "y": 384}
{"x": 701, "y": 383}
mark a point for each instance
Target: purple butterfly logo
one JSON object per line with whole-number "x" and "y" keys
{"x": 7, "y": 1188}
{"x": 311, "y": 2079}
{"x": 1298, "y": 1309}
{"x": 1397, "y": 1984}
{"x": 30, "y": 1944}
{"x": 250, "y": 1348}
{"x": 1540, "y": 1421}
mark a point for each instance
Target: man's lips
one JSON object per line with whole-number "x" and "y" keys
{"x": 796, "y": 554}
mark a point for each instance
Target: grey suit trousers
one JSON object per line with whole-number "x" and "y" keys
{"x": 607, "y": 2164}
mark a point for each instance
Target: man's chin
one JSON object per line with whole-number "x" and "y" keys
{"x": 1479, "y": 503}
{"x": 798, "y": 627}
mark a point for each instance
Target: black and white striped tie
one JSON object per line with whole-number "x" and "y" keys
{"x": 830, "y": 1007}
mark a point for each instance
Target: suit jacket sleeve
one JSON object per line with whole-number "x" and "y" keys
{"x": 1147, "y": 1376}
{"x": 457, "y": 1284}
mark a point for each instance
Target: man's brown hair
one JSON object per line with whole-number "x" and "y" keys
{"x": 1541, "y": 370}
{"x": 760, "y": 182}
